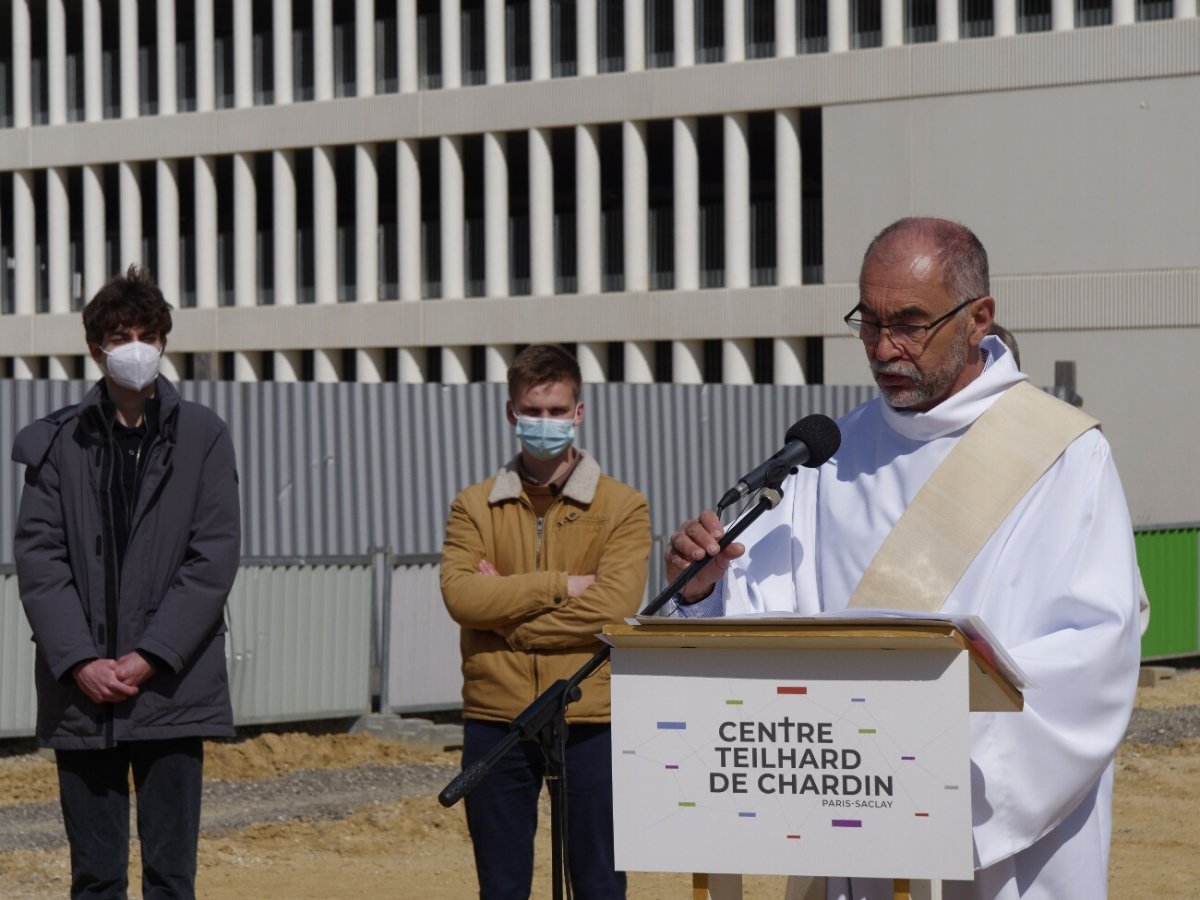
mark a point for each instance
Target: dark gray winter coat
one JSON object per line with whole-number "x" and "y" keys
{"x": 168, "y": 597}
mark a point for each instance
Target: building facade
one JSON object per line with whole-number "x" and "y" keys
{"x": 406, "y": 190}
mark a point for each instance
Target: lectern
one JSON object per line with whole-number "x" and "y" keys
{"x": 800, "y": 746}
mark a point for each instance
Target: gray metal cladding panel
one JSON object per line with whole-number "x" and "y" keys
{"x": 683, "y": 445}
{"x": 334, "y": 470}
{"x": 298, "y": 642}
{"x": 18, "y": 700}
{"x": 423, "y": 670}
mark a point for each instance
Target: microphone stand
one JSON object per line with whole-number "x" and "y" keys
{"x": 545, "y": 719}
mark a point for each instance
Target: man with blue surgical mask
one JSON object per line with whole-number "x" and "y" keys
{"x": 545, "y": 417}
{"x": 537, "y": 559}
{"x": 127, "y": 543}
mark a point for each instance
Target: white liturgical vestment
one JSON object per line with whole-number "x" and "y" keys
{"x": 1057, "y": 583}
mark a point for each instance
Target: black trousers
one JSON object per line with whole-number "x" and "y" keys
{"x": 502, "y": 813}
{"x": 94, "y": 791}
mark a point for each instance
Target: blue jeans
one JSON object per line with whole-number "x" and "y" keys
{"x": 502, "y": 813}
{"x": 94, "y": 790}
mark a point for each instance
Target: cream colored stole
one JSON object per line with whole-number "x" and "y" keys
{"x": 978, "y": 484}
{"x": 959, "y": 508}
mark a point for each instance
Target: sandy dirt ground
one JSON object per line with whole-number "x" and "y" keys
{"x": 409, "y": 847}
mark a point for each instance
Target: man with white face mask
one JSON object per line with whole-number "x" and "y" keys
{"x": 127, "y": 543}
{"x": 537, "y": 559}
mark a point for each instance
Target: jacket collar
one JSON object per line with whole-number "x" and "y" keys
{"x": 34, "y": 441}
{"x": 165, "y": 394}
{"x": 580, "y": 487}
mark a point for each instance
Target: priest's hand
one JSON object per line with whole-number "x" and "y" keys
{"x": 696, "y": 539}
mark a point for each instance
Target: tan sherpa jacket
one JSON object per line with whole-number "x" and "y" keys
{"x": 596, "y": 526}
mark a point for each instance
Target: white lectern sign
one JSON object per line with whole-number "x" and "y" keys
{"x": 778, "y": 761}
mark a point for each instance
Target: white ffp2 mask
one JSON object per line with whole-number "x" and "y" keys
{"x": 134, "y": 364}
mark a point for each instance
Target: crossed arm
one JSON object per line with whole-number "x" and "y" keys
{"x": 546, "y": 610}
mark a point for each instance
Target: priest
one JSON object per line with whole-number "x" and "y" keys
{"x": 1022, "y": 521}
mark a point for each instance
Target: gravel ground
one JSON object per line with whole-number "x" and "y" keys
{"x": 307, "y": 794}
{"x": 1164, "y": 726}
{"x": 327, "y": 794}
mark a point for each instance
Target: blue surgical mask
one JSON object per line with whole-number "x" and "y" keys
{"x": 545, "y": 438}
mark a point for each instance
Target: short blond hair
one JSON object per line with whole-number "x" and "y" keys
{"x": 540, "y": 364}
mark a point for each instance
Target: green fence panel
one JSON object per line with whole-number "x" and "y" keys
{"x": 1168, "y": 559}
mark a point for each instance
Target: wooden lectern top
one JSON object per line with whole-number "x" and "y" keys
{"x": 990, "y": 687}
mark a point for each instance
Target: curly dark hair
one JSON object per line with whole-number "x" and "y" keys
{"x": 131, "y": 300}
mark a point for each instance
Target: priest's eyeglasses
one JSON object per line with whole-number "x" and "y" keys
{"x": 906, "y": 335}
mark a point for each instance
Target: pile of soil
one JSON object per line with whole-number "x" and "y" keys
{"x": 313, "y": 814}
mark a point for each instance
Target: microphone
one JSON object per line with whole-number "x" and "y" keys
{"x": 809, "y": 442}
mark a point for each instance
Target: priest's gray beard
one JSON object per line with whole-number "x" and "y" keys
{"x": 925, "y": 386}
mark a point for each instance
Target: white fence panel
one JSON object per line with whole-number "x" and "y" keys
{"x": 299, "y": 642}
{"x": 298, "y": 646}
{"x": 18, "y": 701}
{"x": 423, "y": 670}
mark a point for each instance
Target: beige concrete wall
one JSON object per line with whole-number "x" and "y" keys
{"x": 1087, "y": 178}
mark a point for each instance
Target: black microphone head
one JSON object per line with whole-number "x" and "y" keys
{"x": 820, "y": 434}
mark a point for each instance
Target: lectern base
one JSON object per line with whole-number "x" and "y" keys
{"x": 716, "y": 887}
{"x": 729, "y": 887}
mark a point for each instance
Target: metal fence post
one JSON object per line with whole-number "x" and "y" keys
{"x": 381, "y": 627}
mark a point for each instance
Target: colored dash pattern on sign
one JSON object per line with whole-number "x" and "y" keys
{"x": 784, "y": 690}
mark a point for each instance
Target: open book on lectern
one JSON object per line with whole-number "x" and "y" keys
{"x": 974, "y": 629}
